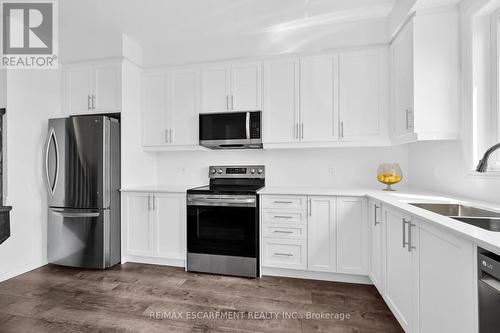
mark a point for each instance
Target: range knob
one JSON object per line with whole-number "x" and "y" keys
{"x": 260, "y": 171}
{"x": 213, "y": 171}
{"x": 252, "y": 171}
{"x": 219, "y": 171}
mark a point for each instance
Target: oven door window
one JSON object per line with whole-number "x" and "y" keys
{"x": 230, "y": 231}
{"x": 228, "y": 126}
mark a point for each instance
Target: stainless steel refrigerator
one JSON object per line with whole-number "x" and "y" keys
{"x": 82, "y": 169}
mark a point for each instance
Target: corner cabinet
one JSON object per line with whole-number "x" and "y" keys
{"x": 92, "y": 87}
{"x": 154, "y": 227}
{"x": 424, "y": 100}
{"x": 170, "y": 108}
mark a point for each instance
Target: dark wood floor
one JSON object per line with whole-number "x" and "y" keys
{"x": 123, "y": 299}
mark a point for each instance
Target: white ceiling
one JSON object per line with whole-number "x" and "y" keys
{"x": 192, "y": 30}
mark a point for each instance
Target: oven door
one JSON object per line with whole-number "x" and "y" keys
{"x": 223, "y": 225}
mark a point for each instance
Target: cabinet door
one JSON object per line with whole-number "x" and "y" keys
{"x": 318, "y": 98}
{"x": 216, "y": 88}
{"x": 79, "y": 86}
{"x": 154, "y": 109}
{"x": 363, "y": 92}
{"x": 398, "y": 267}
{"x": 169, "y": 224}
{"x": 246, "y": 87}
{"x": 445, "y": 305}
{"x": 322, "y": 234}
{"x": 402, "y": 82}
{"x": 375, "y": 233}
{"x": 352, "y": 235}
{"x": 107, "y": 91}
{"x": 186, "y": 100}
{"x": 281, "y": 100}
{"x": 138, "y": 232}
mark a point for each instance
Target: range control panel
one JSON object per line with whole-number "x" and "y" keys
{"x": 240, "y": 171}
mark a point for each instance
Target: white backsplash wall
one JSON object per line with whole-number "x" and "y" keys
{"x": 333, "y": 167}
{"x": 441, "y": 167}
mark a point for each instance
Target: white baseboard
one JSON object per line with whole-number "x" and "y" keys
{"x": 336, "y": 277}
{"x": 155, "y": 261}
{"x": 22, "y": 270}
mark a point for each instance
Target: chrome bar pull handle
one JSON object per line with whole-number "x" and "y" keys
{"x": 170, "y": 135}
{"x": 166, "y": 135}
{"x": 93, "y": 102}
{"x": 404, "y": 232}
{"x": 232, "y": 102}
{"x": 88, "y": 102}
{"x": 227, "y": 102}
{"x": 410, "y": 246}
{"x": 376, "y": 207}
{"x": 283, "y": 254}
{"x": 154, "y": 202}
{"x": 301, "y": 131}
{"x": 149, "y": 202}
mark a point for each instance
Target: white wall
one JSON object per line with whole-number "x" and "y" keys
{"x": 442, "y": 167}
{"x": 137, "y": 167}
{"x": 352, "y": 167}
{"x": 31, "y": 97}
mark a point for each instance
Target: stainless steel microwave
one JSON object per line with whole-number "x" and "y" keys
{"x": 231, "y": 130}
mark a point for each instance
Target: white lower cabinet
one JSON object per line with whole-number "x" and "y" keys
{"x": 284, "y": 253}
{"x": 352, "y": 236}
{"x": 399, "y": 263}
{"x": 375, "y": 243}
{"x": 315, "y": 233}
{"x": 153, "y": 225}
{"x": 322, "y": 234}
{"x": 446, "y": 281}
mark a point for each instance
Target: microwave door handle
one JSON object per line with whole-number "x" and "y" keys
{"x": 248, "y": 125}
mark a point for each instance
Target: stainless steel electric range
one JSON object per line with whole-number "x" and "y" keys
{"x": 223, "y": 222}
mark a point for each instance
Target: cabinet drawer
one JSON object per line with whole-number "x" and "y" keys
{"x": 285, "y": 201}
{"x": 280, "y": 216}
{"x": 284, "y": 253}
{"x": 284, "y": 231}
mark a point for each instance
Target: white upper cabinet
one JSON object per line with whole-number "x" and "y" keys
{"x": 236, "y": 87}
{"x": 154, "y": 109}
{"x": 107, "y": 88}
{"x": 170, "y": 108}
{"x": 281, "y": 100}
{"x": 92, "y": 88}
{"x": 246, "y": 87}
{"x": 352, "y": 235}
{"x": 363, "y": 94}
{"x": 424, "y": 60}
{"x": 216, "y": 88}
{"x": 322, "y": 234}
{"x": 318, "y": 98}
{"x": 185, "y": 107}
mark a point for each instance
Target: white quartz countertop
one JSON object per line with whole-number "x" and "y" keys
{"x": 161, "y": 188}
{"x": 401, "y": 199}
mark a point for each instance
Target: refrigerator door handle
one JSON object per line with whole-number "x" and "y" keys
{"x": 72, "y": 214}
{"x": 52, "y": 138}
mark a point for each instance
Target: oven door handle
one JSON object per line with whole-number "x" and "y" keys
{"x": 225, "y": 202}
{"x": 247, "y": 126}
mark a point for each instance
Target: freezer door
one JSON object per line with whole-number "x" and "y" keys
{"x": 77, "y": 162}
{"x": 79, "y": 238}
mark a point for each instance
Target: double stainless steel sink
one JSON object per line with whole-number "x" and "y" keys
{"x": 471, "y": 215}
